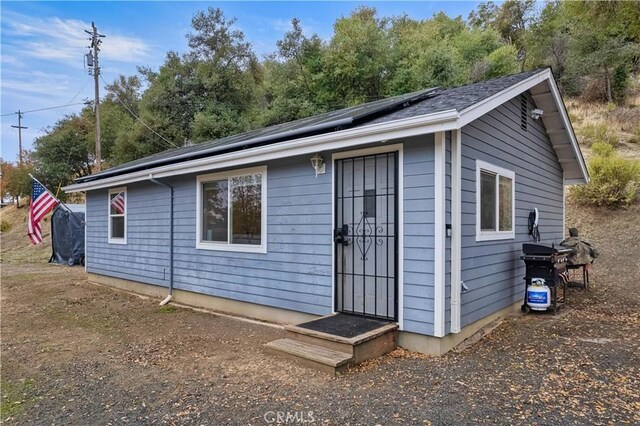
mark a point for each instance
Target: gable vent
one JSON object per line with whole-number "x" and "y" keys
{"x": 524, "y": 106}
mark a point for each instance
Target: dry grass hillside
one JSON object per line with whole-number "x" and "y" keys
{"x": 618, "y": 125}
{"x": 15, "y": 245}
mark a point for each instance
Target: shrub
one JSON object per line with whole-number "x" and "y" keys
{"x": 4, "y": 226}
{"x": 603, "y": 149}
{"x": 598, "y": 132}
{"x": 615, "y": 181}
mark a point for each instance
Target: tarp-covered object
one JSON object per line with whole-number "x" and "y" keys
{"x": 67, "y": 234}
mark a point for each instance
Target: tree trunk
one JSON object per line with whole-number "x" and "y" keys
{"x": 608, "y": 81}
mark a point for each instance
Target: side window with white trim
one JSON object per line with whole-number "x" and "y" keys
{"x": 118, "y": 216}
{"x": 495, "y": 195}
{"x": 232, "y": 210}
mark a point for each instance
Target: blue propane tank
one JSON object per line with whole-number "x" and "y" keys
{"x": 538, "y": 295}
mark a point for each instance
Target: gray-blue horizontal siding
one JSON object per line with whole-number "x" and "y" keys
{"x": 295, "y": 273}
{"x": 418, "y": 234}
{"x": 492, "y": 270}
{"x": 144, "y": 257}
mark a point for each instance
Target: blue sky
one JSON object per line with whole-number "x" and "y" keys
{"x": 43, "y": 43}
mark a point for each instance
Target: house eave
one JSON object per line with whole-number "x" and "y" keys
{"x": 541, "y": 84}
{"x": 544, "y": 90}
{"x": 339, "y": 140}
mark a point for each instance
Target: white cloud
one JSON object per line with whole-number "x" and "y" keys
{"x": 10, "y": 60}
{"x": 36, "y": 82}
{"x": 64, "y": 40}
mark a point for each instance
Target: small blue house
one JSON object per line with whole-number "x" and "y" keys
{"x": 411, "y": 209}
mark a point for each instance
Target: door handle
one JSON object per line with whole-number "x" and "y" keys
{"x": 340, "y": 235}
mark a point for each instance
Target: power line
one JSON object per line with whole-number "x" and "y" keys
{"x": 44, "y": 109}
{"x": 140, "y": 120}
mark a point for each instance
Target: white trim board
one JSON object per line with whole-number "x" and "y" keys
{"x": 456, "y": 229}
{"x": 110, "y": 240}
{"x": 229, "y": 246}
{"x": 483, "y": 235}
{"x": 350, "y": 138}
{"x": 370, "y": 151}
{"x": 483, "y": 107}
{"x": 439, "y": 258}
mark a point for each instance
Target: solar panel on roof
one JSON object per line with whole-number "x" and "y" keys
{"x": 319, "y": 122}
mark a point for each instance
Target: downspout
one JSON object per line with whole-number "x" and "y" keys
{"x": 166, "y": 185}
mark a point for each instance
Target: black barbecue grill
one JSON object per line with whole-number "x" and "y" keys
{"x": 548, "y": 262}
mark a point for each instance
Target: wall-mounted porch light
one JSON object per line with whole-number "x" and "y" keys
{"x": 317, "y": 162}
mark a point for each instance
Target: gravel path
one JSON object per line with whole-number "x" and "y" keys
{"x": 76, "y": 353}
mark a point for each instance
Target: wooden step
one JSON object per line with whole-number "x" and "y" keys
{"x": 365, "y": 346}
{"x": 313, "y": 356}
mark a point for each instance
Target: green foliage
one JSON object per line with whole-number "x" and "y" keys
{"x": 64, "y": 152}
{"x": 598, "y": 132}
{"x": 16, "y": 181}
{"x": 501, "y": 61}
{"x": 603, "y": 149}
{"x": 355, "y": 62}
{"x": 4, "y": 226}
{"x": 16, "y": 397}
{"x": 218, "y": 87}
{"x": 615, "y": 180}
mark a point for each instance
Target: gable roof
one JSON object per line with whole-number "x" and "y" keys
{"x": 435, "y": 109}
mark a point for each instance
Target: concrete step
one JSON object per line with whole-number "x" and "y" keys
{"x": 317, "y": 357}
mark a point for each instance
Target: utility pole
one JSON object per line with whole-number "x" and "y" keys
{"x": 19, "y": 127}
{"x": 92, "y": 63}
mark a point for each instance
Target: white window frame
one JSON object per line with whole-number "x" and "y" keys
{"x": 109, "y": 215}
{"x": 499, "y": 171}
{"x": 228, "y": 246}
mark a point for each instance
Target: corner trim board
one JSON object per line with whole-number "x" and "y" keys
{"x": 439, "y": 319}
{"x": 456, "y": 225}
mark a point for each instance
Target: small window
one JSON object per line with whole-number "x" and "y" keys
{"x": 118, "y": 216}
{"x": 231, "y": 211}
{"x": 495, "y": 202}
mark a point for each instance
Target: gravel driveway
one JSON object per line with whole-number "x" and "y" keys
{"x": 77, "y": 353}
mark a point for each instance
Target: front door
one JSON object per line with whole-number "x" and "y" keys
{"x": 365, "y": 237}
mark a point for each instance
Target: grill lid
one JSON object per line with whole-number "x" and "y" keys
{"x": 543, "y": 249}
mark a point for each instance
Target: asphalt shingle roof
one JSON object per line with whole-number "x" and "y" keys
{"x": 423, "y": 102}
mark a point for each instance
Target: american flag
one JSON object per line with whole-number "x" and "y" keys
{"x": 118, "y": 203}
{"x": 42, "y": 201}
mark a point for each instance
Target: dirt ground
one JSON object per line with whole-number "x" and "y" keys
{"x": 77, "y": 353}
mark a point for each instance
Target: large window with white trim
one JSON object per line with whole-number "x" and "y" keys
{"x": 118, "y": 216}
{"x": 232, "y": 210}
{"x": 495, "y": 202}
